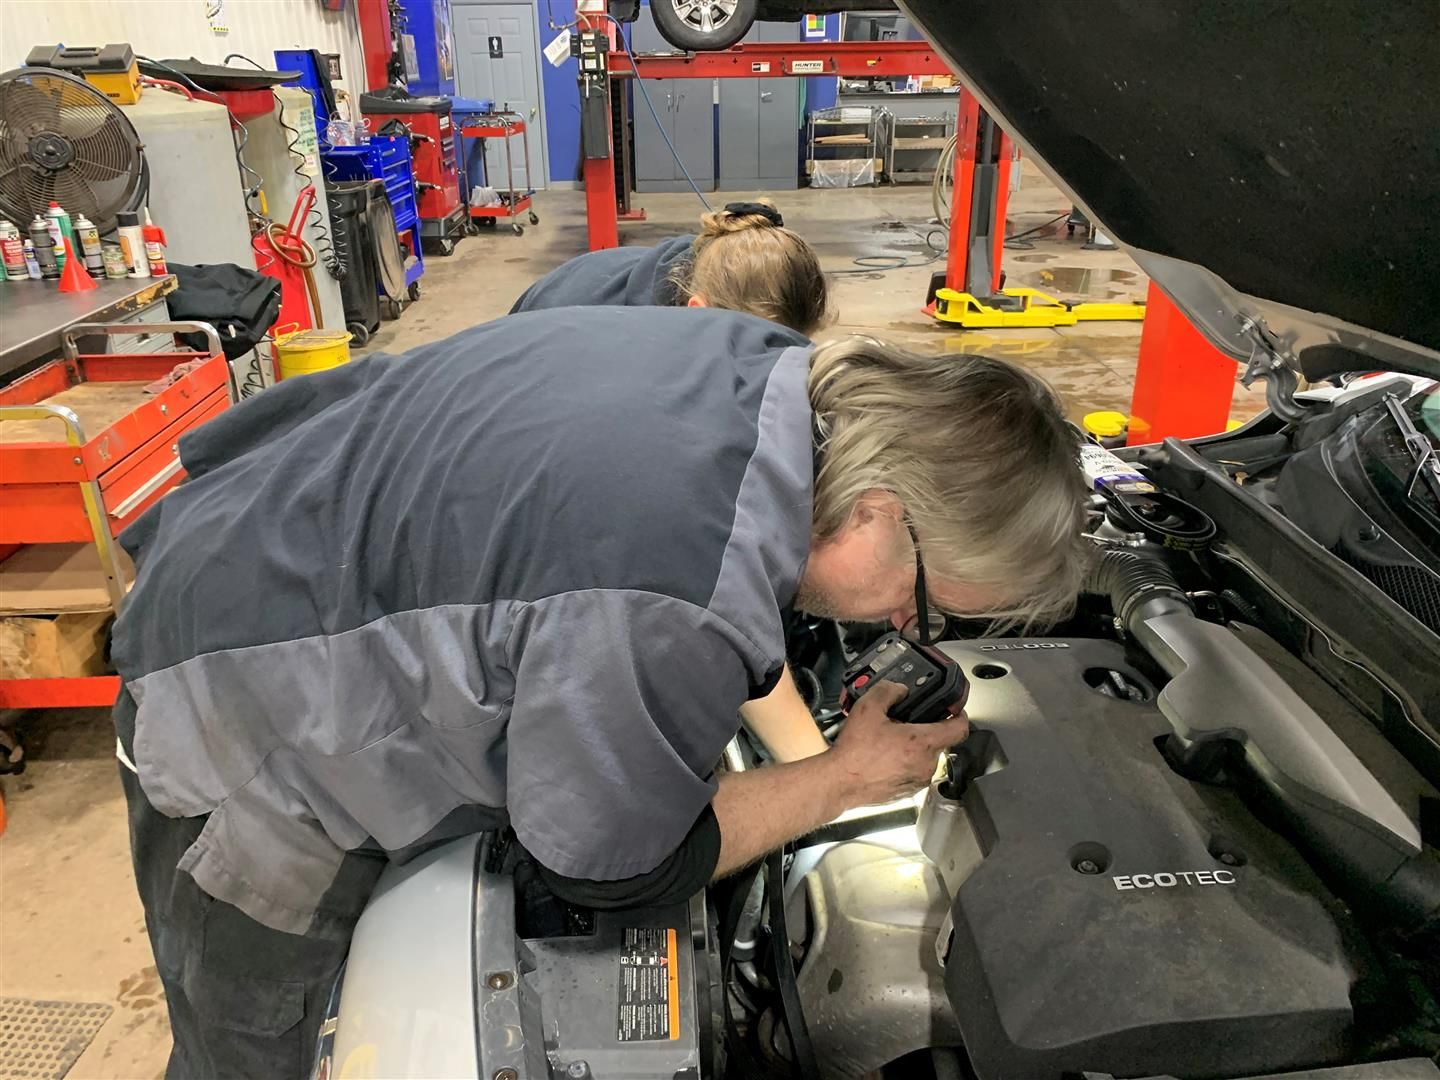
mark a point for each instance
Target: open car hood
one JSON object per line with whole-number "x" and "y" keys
{"x": 1274, "y": 167}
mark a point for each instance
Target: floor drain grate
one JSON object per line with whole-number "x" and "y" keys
{"x": 41, "y": 1040}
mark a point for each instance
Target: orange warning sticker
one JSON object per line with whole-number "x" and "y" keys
{"x": 649, "y": 984}
{"x": 672, "y": 967}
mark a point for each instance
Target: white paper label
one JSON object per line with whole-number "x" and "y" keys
{"x": 760, "y": 67}
{"x": 807, "y": 67}
{"x": 558, "y": 51}
{"x": 1101, "y": 466}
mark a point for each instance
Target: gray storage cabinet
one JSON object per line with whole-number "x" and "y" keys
{"x": 686, "y": 107}
{"x": 760, "y": 124}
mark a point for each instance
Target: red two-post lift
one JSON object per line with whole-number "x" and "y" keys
{"x": 1183, "y": 383}
{"x": 602, "y": 65}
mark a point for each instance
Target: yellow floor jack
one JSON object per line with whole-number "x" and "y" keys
{"x": 1022, "y": 307}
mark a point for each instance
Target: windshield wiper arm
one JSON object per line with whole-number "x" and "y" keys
{"x": 1421, "y": 449}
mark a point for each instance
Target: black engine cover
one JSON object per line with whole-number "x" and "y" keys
{"x": 1195, "y": 942}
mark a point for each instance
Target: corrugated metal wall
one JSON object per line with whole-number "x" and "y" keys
{"x": 179, "y": 28}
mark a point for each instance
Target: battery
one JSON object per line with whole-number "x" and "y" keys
{"x": 626, "y": 999}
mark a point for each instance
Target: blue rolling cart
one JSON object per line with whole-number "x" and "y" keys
{"x": 387, "y": 160}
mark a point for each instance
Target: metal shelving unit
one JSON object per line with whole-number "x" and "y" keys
{"x": 915, "y": 146}
{"x": 847, "y": 146}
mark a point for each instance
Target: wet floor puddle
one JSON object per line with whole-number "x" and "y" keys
{"x": 1081, "y": 280}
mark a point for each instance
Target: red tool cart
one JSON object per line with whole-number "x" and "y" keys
{"x": 506, "y": 125}
{"x": 87, "y": 444}
{"x": 436, "y": 159}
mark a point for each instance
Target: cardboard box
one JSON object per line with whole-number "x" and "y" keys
{"x": 53, "y": 646}
{"x": 54, "y": 579}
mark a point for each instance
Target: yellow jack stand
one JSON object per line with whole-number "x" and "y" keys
{"x": 1021, "y": 307}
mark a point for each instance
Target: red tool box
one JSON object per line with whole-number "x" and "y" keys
{"x": 435, "y": 151}
{"x": 85, "y": 450}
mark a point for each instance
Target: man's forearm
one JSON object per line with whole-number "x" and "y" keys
{"x": 781, "y": 721}
{"x": 760, "y": 809}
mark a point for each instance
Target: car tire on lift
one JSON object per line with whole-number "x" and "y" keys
{"x": 414, "y": 290}
{"x": 736, "y": 23}
{"x": 358, "y": 334}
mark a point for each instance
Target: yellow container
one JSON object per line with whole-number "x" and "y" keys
{"x": 121, "y": 87}
{"x": 304, "y": 352}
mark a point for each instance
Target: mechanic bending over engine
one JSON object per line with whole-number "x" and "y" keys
{"x": 482, "y": 585}
{"x": 744, "y": 260}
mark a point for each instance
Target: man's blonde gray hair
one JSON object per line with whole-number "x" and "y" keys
{"x": 979, "y": 453}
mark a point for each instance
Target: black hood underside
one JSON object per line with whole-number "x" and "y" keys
{"x": 1291, "y": 149}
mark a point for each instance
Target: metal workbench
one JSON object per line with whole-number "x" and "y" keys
{"x": 33, "y": 314}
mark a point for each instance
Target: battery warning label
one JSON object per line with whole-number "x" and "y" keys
{"x": 649, "y": 985}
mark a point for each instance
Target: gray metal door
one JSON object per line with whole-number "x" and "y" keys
{"x": 760, "y": 125}
{"x": 496, "y": 58}
{"x": 686, "y": 108}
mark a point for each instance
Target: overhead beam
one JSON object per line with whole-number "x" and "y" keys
{"x": 751, "y": 60}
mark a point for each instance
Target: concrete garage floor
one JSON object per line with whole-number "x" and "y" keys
{"x": 71, "y": 927}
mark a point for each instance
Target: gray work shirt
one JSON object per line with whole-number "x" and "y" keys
{"x": 625, "y": 276}
{"x": 536, "y": 566}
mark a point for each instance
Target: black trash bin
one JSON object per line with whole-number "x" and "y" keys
{"x": 349, "y": 210}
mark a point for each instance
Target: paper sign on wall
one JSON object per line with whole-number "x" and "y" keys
{"x": 558, "y": 51}
{"x": 814, "y": 26}
{"x": 215, "y": 16}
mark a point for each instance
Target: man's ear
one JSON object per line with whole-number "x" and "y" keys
{"x": 876, "y": 503}
{"x": 696, "y": 301}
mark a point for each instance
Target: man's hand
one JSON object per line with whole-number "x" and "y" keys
{"x": 880, "y": 759}
{"x": 875, "y": 760}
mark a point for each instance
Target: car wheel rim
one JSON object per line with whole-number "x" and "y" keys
{"x": 707, "y": 16}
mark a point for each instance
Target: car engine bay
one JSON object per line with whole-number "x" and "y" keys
{"x": 1171, "y": 845}
{"x": 1193, "y": 832}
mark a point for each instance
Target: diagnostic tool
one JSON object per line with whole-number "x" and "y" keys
{"x": 935, "y": 685}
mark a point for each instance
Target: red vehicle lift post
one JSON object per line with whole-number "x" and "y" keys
{"x": 983, "y": 156}
{"x": 1183, "y": 385}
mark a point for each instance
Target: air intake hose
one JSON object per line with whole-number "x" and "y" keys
{"x": 1342, "y": 817}
{"x": 1140, "y": 586}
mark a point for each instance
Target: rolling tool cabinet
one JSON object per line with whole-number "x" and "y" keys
{"x": 88, "y": 443}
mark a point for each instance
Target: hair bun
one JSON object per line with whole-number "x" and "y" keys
{"x": 739, "y": 216}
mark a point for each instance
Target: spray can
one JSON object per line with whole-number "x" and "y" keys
{"x": 44, "y": 247}
{"x": 89, "y": 237}
{"x": 61, "y": 229}
{"x": 154, "y": 246}
{"x": 32, "y": 265}
{"x": 12, "y": 250}
{"x": 132, "y": 242}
